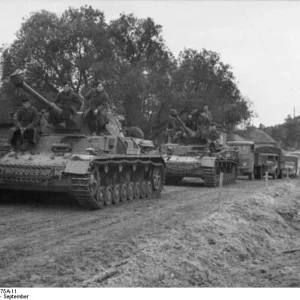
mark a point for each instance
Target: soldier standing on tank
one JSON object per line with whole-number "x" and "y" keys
{"x": 69, "y": 102}
{"x": 26, "y": 124}
{"x": 96, "y": 107}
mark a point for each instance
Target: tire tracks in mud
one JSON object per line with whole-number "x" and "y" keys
{"x": 47, "y": 237}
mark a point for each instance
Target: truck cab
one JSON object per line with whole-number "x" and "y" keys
{"x": 291, "y": 166}
{"x": 246, "y": 157}
{"x": 275, "y": 160}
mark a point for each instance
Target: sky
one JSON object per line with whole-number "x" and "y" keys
{"x": 259, "y": 39}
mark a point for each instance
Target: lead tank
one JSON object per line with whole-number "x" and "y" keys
{"x": 191, "y": 157}
{"x": 95, "y": 170}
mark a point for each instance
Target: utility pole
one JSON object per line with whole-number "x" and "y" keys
{"x": 294, "y": 112}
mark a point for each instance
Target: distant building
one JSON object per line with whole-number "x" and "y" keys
{"x": 259, "y": 137}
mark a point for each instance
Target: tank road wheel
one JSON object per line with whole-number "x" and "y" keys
{"x": 108, "y": 195}
{"x": 137, "y": 190}
{"x": 96, "y": 193}
{"x": 116, "y": 194}
{"x": 100, "y": 197}
{"x": 149, "y": 189}
{"x": 143, "y": 189}
{"x": 157, "y": 178}
{"x": 130, "y": 192}
{"x": 124, "y": 192}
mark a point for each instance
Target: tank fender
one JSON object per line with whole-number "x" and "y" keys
{"x": 208, "y": 161}
{"x": 161, "y": 160}
{"x": 78, "y": 164}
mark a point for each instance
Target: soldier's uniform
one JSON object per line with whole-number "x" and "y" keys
{"x": 170, "y": 130}
{"x": 69, "y": 102}
{"x": 27, "y": 118}
{"x": 213, "y": 133}
{"x": 100, "y": 101}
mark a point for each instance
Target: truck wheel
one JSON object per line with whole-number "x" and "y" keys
{"x": 261, "y": 174}
{"x": 258, "y": 174}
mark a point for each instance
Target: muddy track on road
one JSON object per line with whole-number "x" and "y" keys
{"x": 55, "y": 243}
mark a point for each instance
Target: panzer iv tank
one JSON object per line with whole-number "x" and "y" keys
{"x": 191, "y": 158}
{"x": 95, "y": 170}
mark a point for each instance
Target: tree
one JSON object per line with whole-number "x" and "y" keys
{"x": 141, "y": 75}
{"x": 202, "y": 78}
{"x": 51, "y": 49}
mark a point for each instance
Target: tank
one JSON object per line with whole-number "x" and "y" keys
{"x": 193, "y": 157}
{"x": 95, "y": 170}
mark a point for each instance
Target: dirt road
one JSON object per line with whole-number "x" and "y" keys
{"x": 186, "y": 238}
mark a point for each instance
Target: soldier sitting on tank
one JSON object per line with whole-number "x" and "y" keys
{"x": 213, "y": 137}
{"x": 213, "y": 133}
{"x": 191, "y": 122}
{"x": 26, "y": 126}
{"x": 170, "y": 129}
{"x": 70, "y": 103}
{"x": 96, "y": 107}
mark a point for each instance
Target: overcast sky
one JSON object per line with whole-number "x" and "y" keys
{"x": 260, "y": 40}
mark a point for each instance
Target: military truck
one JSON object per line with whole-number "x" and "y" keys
{"x": 290, "y": 166}
{"x": 251, "y": 163}
{"x": 274, "y": 157}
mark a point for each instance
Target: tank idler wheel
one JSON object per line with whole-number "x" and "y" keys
{"x": 108, "y": 195}
{"x": 149, "y": 189}
{"x": 137, "y": 190}
{"x": 143, "y": 189}
{"x": 130, "y": 193}
{"x": 157, "y": 178}
{"x": 100, "y": 197}
{"x": 117, "y": 194}
{"x": 124, "y": 192}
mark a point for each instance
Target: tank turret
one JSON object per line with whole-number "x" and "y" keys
{"x": 190, "y": 133}
{"x": 112, "y": 128}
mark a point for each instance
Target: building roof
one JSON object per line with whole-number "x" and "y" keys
{"x": 257, "y": 136}
{"x": 234, "y": 137}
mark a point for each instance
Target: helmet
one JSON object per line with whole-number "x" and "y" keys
{"x": 173, "y": 113}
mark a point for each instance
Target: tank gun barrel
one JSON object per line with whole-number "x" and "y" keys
{"x": 190, "y": 133}
{"x": 18, "y": 82}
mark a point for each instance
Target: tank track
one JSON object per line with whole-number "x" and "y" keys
{"x": 211, "y": 175}
{"x": 111, "y": 182}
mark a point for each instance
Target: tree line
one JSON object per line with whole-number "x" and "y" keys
{"x": 286, "y": 134}
{"x": 142, "y": 77}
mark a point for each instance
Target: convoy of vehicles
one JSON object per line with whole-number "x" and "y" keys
{"x": 101, "y": 170}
